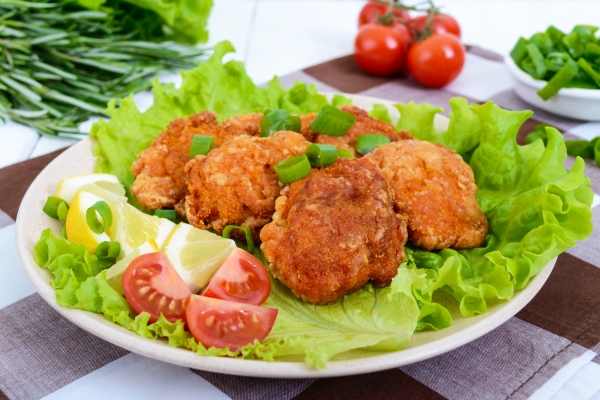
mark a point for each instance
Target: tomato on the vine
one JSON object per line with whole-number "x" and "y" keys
{"x": 242, "y": 278}
{"x": 151, "y": 284}
{"x": 381, "y": 50}
{"x": 372, "y": 10}
{"x": 436, "y": 61}
{"x": 221, "y": 323}
{"x": 442, "y": 23}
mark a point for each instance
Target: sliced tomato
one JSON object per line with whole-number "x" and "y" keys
{"x": 151, "y": 284}
{"x": 221, "y": 323}
{"x": 241, "y": 278}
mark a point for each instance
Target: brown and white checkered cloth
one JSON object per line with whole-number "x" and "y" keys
{"x": 549, "y": 350}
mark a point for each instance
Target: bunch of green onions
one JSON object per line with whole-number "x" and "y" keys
{"x": 61, "y": 64}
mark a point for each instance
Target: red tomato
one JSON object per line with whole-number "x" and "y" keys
{"x": 372, "y": 10}
{"x": 436, "y": 61}
{"x": 151, "y": 284}
{"x": 442, "y": 23}
{"x": 241, "y": 278}
{"x": 221, "y": 323}
{"x": 381, "y": 50}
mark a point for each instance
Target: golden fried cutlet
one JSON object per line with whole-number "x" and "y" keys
{"x": 436, "y": 190}
{"x": 236, "y": 184}
{"x": 335, "y": 230}
{"x": 159, "y": 170}
{"x": 160, "y": 179}
{"x": 365, "y": 124}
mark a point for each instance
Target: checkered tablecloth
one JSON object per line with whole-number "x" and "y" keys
{"x": 549, "y": 350}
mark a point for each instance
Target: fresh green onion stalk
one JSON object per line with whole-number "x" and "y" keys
{"x": 61, "y": 63}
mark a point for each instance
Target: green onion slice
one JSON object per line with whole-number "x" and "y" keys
{"x": 171, "y": 215}
{"x": 345, "y": 153}
{"x": 293, "y": 168}
{"x": 108, "y": 250}
{"x": 366, "y": 143}
{"x": 560, "y": 80}
{"x": 201, "y": 144}
{"x": 321, "y": 155}
{"x": 92, "y": 218}
{"x": 332, "y": 121}
{"x": 278, "y": 120}
{"x": 250, "y": 242}
{"x": 56, "y": 207}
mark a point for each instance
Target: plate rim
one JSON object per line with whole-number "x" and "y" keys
{"x": 158, "y": 349}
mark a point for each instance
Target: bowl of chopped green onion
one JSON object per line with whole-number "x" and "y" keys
{"x": 558, "y": 72}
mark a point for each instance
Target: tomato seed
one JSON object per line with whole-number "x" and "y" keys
{"x": 172, "y": 305}
{"x": 144, "y": 290}
{"x": 210, "y": 320}
{"x": 151, "y": 296}
{"x": 163, "y": 301}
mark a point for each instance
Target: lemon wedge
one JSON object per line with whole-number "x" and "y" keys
{"x": 196, "y": 254}
{"x": 132, "y": 228}
{"x": 115, "y": 273}
{"x": 104, "y": 185}
{"x": 76, "y": 224}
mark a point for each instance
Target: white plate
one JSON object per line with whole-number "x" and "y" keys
{"x": 581, "y": 104}
{"x": 79, "y": 160}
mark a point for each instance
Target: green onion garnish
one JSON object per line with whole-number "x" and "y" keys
{"x": 92, "y": 218}
{"x": 345, "y": 153}
{"x": 227, "y": 233}
{"x": 366, "y": 143}
{"x": 56, "y": 207}
{"x": 293, "y": 168}
{"x": 278, "y": 120}
{"x": 201, "y": 144}
{"x": 560, "y": 80}
{"x": 171, "y": 215}
{"x": 321, "y": 155}
{"x": 332, "y": 121}
{"x": 107, "y": 250}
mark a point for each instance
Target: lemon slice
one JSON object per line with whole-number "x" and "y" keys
{"x": 132, "y": 228}
{"x": 196, "y": 254}
{"x": 103, "y": 185}
{"x": 76, "y": 224}
{"x": 115, "y": 273}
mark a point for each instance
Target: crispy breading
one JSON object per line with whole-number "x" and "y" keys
{"x": 236, "y": 184}
{"x": 160, "y": 179}
{"x": 335, "y": 230}
{"x": 436, "y": 190}
{"x": 159, "y": 170}
{"x": 365, "y": 124}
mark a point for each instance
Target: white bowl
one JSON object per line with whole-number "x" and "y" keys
{"x": 581, "y": 104}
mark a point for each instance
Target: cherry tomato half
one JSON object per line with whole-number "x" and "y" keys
{"x": 442, "y": 23}
{"x": 151, "y": 284}
{"x": 381, "y": 50}
{"x": 372, "y": 10}
{"x": 436, "y": 61}
{"x": 241, "y": 278}
{"x": 221, "y": 323}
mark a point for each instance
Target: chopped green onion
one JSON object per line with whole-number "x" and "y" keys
{"x": 278, "y": 120}
{"x": 519, "y": 52}
{"x": 366, "y": 143}
{"x": 587, "y": 68}
{"x": 293, "y": 168}
{"x": 555, "y": 34}
{"x": 108, "y": 250}
{"x": 92, "y": 218}
{"x": 250, "y": 242}
{"x": 332, "y": 121}
{"x": 345, "y": 153}
{"x": 56, "y": 207}
{"x": 558, "y": 81}
{"x": 201, "y": 144}
{"x": 171, "y": 215}
{"x": 321, "y": 155}
{"x": 537, "y": 60}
